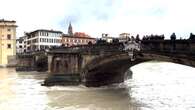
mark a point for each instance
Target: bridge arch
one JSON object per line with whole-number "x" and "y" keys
{"x": 111, "y": 68}
{"x": 107, "y": 69}
{"x": 183, "y": 59}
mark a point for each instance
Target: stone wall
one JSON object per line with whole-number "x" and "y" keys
{"x": 64, "y": 64}
{"x": 12, "y": 62}
{"x": 25, "y": 63}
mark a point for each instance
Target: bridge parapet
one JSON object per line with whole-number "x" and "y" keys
{"x": 88, "y": 48}
{"x": 168, "y": 45}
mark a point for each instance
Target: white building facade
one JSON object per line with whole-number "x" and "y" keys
{"x": 20, "y": 45}
{"x": 42, "y": 39}
{"x": 124, "y": 37}
{"x": 107, "y": 38}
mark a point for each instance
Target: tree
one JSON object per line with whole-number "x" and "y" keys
{"x": 90, "y": 43}
{"x": 192, "y": 36}
{"x": 115, "y": 41}
{"x": 137, "y": 39}
{"x": 173, "y": 36}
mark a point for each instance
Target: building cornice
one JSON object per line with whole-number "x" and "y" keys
{"x": 8, "y": 25}
{"x": 45, "y": 30}
{"x": 68, "y": 36}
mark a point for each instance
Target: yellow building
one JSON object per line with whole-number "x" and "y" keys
{"x": 7, "y": 42}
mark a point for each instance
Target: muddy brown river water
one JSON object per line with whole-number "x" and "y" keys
{"x": 154, "y": 86}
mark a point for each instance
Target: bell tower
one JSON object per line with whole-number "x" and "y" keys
{"x": 70, "y": 32}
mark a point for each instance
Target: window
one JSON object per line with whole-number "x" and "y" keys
{"x": 8, "y": 46}
{"x": 8, "y": 29}
{"x": 9, "y": 36}
{"x": 20, "y": 46}
{"x": 28, "y": 42}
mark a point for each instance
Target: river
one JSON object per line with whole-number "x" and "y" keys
{"x": 154, "y": 86}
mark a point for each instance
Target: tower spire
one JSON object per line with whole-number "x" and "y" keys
{"x": 70, "y": 32}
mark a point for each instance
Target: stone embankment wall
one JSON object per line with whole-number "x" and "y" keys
{"x": 27, "y": 62}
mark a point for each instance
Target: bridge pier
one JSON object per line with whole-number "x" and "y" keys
{"x": 50, "y": 57}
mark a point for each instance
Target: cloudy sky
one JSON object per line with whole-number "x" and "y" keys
{"x": 103, "y": 16}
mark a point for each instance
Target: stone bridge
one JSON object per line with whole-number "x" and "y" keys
{"x": 103, "y": 64}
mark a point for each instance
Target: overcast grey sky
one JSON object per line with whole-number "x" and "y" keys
{"x": 102, "y": 16}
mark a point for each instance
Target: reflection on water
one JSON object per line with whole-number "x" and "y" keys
{"x": 90, "y": 99}
{"x": 154, "y": 86}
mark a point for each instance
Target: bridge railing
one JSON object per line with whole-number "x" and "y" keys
{"x": 90, "y": 48}
{"x": 183, "y": 46}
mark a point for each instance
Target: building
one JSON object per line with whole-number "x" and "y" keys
{"x": 123, "y": 37}
{"x": 78, "y": 38}
{"x": 7, "y": 42}
{"x": 107, "y": 38}
{"x": 42, "y": 39}
{"x": 20, "y": 45}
